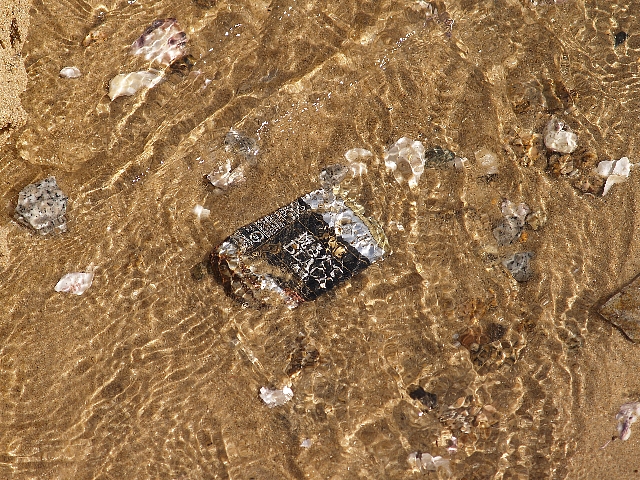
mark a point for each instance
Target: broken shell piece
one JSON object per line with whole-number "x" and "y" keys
{"x": 487, "y": 160}
{"x": 75, "y": 283}
{"x": 130, "y": 83}
{"x": 536, "y": 219}
{"x": 42, "y": 206}
{"x": 162, "y": 42}
{"x": 426, "y": 462}
{"x": 615, "y": 171}
{"x": 405, "y": 159}
{"x": 353, "y": 154}
{"x": 558, "y": 137}
{"x": 275, "y": 398}
{"x": 70, "y": 72}
{"x": 508, "y": 231}
{"x": 201, "y": 212}
{"x": 306, "y": 443}
{"x": 225, "y": 177}
{"x": 357, "y": 168}
{"x": 627, "y": 416}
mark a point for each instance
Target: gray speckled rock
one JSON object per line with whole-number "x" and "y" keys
{"x": 518, "y": 266}
{"x": 41, "y": 206}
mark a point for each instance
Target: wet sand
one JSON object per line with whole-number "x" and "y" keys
{"x": 155, "y": 373}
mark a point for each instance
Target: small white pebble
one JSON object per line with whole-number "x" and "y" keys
{"x": 306, "y": 443}
{"x": 201, "y": 212}
{"x": 75, "y": 283}
{"x": 70, "y": 72}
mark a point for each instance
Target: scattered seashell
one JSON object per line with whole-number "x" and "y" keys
{"x": 615, "y": 171}
{"x": 225, "y": 177}
{"x": 509, "y": 229}
{"x": 487, "y": 160}
{"x": 405, "y": 159}
{"x": 426, "y": 462}
{"x": 536, "y": 219}
{"x": 558, "y": 137}
{"x": 357, "y": 168}
{"x": 162, "y": 42}
{"x": 70, "y": 72}
{"x": 75, "y": 283}
{"x": 42, "y": 206}
{"x": 626, "y": 417}
{"x": 201, "y": 212}
{"x": 306, "y": 443}
{"x": 130, "y": 83}
{"x": 275, "y": 398}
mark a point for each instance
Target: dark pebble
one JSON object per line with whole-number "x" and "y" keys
{"x": 619, "y": 38}
{"x": 428, "y": 399}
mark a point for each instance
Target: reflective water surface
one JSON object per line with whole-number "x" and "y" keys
{"x": 154, "y": 373}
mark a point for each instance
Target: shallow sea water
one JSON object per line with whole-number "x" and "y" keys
{"x": 155, "y": 373}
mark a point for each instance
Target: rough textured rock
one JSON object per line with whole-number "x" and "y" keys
{"x": 41, "y": 206}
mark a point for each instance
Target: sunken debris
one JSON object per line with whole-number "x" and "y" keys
{"x": 298, "y": 252}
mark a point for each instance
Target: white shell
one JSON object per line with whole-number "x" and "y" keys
{"x": 405, "y": 159}
{"x": 70, "y": 72}
{"x": 615, "y": 171}
{"x": 558, "y": 137}
{"x": 225, "y": 176}
{"x": 487, "y": 160}
{"x": 357, "y": 168}
{"x": 201, "y": 212}
{"x": 275, "y": 398}
{"x": 75, "y": 283}
{"x": 426, "y": 462}
{"x": 130, "y": 83}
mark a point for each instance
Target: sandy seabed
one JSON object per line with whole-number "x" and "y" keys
{"x": 155, "y": 373}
